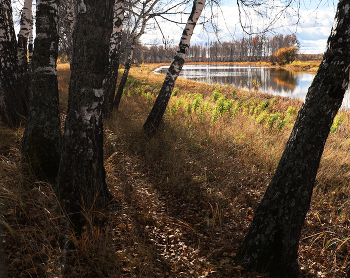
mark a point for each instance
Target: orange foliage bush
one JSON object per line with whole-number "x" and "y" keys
{"x": 284, "y": 55}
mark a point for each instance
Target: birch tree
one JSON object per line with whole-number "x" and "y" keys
{"x": 271, "y": 243}
{"x": 81, "y": 178}
{"x": 26, "y": 25}
{"x": 142, "y": 20}
{"x": 155, "y": 117}
{"x": 14, "y": 90}
{"x": 114, "y": 55}
{"x": 42, "y": 135}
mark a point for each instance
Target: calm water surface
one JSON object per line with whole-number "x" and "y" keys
{"x": 265, "y": 79}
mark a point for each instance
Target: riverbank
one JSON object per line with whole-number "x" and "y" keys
{"x": 187, "y": 196}
{"x": 299, "y": 66}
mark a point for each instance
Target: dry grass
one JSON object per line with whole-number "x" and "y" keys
{"x": 186, "y": 196}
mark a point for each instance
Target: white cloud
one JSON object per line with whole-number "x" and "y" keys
{"x": 312, "y": 27}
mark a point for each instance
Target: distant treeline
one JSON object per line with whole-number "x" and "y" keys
{"x": 258, "y": 48}
{"x": 248, "y": 49}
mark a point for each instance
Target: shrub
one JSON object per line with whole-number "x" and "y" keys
{"x": 272, "y": 119}
{"x": 338, "y": 120}
{"x": 291, "y": 110}
{"x": 175, "y": 91}
{"x": 284, "y": 55}
{"x": 197, "y": 102}
{"x": 216, "y": 94}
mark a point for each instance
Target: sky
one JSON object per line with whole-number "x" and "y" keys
{"x": 311, "y": 22}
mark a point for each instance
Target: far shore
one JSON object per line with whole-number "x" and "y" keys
{"x": 299, "y": 66}
{"x": 304, "y": 66}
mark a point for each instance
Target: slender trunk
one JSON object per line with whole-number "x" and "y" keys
{"x": 124, "y": 77}
{"x": 82, "y": 175}
{"x": 71, "y": 18}
{"x": 156, "y": 115}
{"x": 13, "y": 101}
{"x": 114, "y": 56}
{"x": 42, "y": 136}
{"x": 30, "y": 46}
{"x": 23, "y": 35}
{"x": 271, "y": 244}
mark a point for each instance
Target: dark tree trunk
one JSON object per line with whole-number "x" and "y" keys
{"x": 271, "y": 244}
{"x": 14, "y": 93}
{"x": 122, "y": 83}
{"x": 42, "y": 136}
{"x": 82, "y": 175}
{"x": 156, "y": 115}
{"x": 114, "y": 56}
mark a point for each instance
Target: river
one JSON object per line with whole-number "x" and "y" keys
{"x": 271, "y": 80}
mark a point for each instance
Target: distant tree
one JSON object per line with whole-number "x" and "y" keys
{"x": 26, "y": 26}
{"x": 81, "y": 177}
{"x": 42, "y": 136}
{"x": 271, "y": 243}
{"x": 14, "y": 93}
{"x": 141, "y": 18}
{"x": 114, "y": 56}
{"x": 141, "y": 22}
{"x": 156, "y": 115}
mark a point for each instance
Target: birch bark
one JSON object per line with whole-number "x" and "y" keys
{"x": 30, "y": 47}
{"x": 271, "y": 244}
{"x": 13, "y": 100}
{"x": 23, "y": 35}
{"x": 81, "y": 174}
{"x": 122, "y": 83}
{"x": 114, "y": 56}
{"x": 42, "y": 136}
{"x": 156, "y": 115}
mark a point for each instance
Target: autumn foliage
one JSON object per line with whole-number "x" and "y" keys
{"x": 284, "y": 55}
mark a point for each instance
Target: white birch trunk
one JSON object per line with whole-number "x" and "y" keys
{"x": 114, "y": 56}
{"x": 30, "y": 45}
{"x": 13, "y": 97}
{"x": 271, "y": 243}
{"x": 42, "y": 136}
{"x": 71, "y": 16}
{"x": 23, "y": 35}
{"x": 134, "y": 37}
{"x": 156, "y": 115}
{"x": 81, "y": 174}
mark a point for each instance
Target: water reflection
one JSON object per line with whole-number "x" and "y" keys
{"x": 267, "y": 80}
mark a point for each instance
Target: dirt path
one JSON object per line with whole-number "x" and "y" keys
{"x": 160, "y": 235}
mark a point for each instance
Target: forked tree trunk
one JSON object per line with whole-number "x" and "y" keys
{"x": 82, "y": 175}
{"x": 114, "y": 56}
{"x": 156, "y": 115}
{"x": 271, "y": 244}
{"x": 142, "y": 20}
{"x": 42, "y": 136}
{"x": 13, "y": 96}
